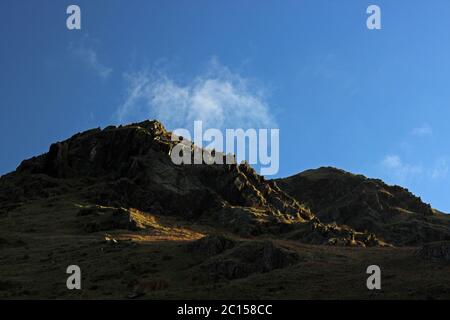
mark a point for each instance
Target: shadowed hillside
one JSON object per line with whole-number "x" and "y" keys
{"x": 391, "y": 212}
{"x": 139, "y": 226}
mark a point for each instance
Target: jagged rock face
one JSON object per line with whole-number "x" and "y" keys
{"x": 391, "y": 212}
{"x": 135, "y": 164}
{"x": 333, "y": 234}
{"x": 130, "y": 166}
{"x": 113, "y": 152}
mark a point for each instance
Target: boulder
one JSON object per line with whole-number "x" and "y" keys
{"x": 211, "y": 245}
{"x": 247, "y": 258}
{"x": 93, "y": 219}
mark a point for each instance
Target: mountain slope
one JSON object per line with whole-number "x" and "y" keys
{"x": 391, "y": 212}
{"x": 130, "y": 166}
{"x": 112, "y": 202}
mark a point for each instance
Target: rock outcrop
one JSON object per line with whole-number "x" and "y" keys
{"x": 391, "y": 212}
{"x": 211, "y": 245}
{"x": 229, "y": 259}
{"x": 93, "y": 219}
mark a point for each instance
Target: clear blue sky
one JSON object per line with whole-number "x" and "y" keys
{"x": 371, "y": 102}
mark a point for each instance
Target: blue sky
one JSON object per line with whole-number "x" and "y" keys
{"x": 370, "y": 102}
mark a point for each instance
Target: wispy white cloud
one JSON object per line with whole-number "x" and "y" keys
{"x": 440, "y": 169}
{"x": 86, "y": 53}
{"x": 392, "y": 162}
{"x": 423, "y": 130}
{"x": 219, "y": 97}
{"x": 399, "y": 170}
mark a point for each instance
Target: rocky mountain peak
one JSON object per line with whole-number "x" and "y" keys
{"x": 130, "y": 166}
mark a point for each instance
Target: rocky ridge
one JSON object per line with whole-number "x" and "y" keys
{"x": 130, "y": 167}
{"x": 393, "y": 213}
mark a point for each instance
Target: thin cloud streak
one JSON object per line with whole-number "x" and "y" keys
{"x": 88, "y": 55}
{"x": 422, "y": 131}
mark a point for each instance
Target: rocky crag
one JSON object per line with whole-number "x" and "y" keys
{"x": 130, "y": 166}
{"x": 391, "y": 212}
